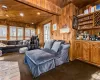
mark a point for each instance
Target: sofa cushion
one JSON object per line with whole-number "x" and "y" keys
{"x": 20, "y": 43}
{"x": 17, "y": 42}
{"x": 11, "y": 42}
{"x": 19, "y": 46}
{"x": 62, "y": 41}
{"x": 39, "y": 56}
{"x": 10, "y": 47}
{"x": 50, "y": 51}
{"x": 48, "y": 44}
{"x": 56, "y": 46}
{"x": 25, "y": 42}
{"x": 65, "y": 46}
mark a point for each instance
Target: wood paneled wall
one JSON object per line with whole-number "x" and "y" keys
{"x": 65, "y": 18}
{"x": 14, "y": 23}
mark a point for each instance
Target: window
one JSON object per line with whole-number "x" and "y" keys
{"x": 19, "y": 33}
{"x": 32, "y": 32}
{"x": 3, "y": 32}
{"x": 27, "y": 33}
{"x": 12, "y": 33}
{"x": 46, "y": 32}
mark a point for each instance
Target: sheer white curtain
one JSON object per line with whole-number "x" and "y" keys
{"x": 47, "y": 32}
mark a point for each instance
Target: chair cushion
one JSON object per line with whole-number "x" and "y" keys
{"x": 56, "y": 46}
{"x": 48, "y": 44}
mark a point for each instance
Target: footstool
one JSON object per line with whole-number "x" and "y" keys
{"x": 23, "y": 50}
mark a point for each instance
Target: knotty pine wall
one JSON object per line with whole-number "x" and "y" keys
{"x": 65, "y": 18}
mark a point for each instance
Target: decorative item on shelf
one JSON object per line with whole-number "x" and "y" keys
{"x": 93, "y": 37}
{"x": 65, "y": 29}
{"x": 83, "y": 35}
{"x": 98, "y": 35}
{"x": 92, "y": 9}
{"x": 86, "y": 11}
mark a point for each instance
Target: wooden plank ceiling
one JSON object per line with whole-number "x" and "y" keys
{"x": 78, "y": 3}
{"x": 14, "y": 9}
{"x": 44, "y": 5}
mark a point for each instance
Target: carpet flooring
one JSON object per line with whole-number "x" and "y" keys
{"x": 75, "y": 70}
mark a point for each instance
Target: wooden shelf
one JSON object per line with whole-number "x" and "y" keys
{"x": 85, "y": 24}
{"x": 85, "y": 15}
{"x": 94, "y": 27}
{"x": 85, "y": 29}
{"x": 85, "y": 20}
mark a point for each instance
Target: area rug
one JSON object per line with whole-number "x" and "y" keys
{"x": 9, "y": 70}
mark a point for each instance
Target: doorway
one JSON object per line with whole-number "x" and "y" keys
{"x": 47, "y": 31}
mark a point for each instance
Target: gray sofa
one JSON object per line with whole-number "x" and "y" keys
{"x": 13, "y": 45}
{"x": 53, "y": 54}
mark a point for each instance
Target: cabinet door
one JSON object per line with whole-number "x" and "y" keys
{"x": 78, "y": 49}
{"x": 95, "y": 53}
{"x": 86, "y": 51}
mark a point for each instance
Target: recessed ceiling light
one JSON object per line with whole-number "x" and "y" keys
{"x": 3, "y": 6}
{"x": 22, "y": 14}
{"x": 32, "y": 23}
{"x": 38, "y": 13}
{"x": 7, "y": 15}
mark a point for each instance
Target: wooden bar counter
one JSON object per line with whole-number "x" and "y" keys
{"x": 88, "y": 51}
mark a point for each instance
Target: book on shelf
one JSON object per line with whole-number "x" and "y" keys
{"x": 97, "y": 7}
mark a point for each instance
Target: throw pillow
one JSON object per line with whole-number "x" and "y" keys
{"x": 48, "y": 44}
{"x": 56, "y": 46}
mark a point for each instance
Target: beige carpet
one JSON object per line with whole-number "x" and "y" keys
{"x": 9, "y": 70}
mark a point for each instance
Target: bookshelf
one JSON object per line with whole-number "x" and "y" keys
{"x": 89, "y": 21}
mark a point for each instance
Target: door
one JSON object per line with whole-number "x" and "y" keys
{"x": 86, "y": 51}
{"x": 78, "y": 49}
{"x": 47, "y": 32}
{"x": 95, "y": 53}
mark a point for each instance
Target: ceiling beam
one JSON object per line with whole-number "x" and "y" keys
{"x": 44, "y": 5}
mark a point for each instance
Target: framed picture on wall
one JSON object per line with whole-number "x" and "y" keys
{"x": 54, "y": 27}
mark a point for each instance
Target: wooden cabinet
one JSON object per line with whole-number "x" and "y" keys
{"x": 95, "y": 53}
{"x": 86, "y": 51}
{"x": 78, "y": 48}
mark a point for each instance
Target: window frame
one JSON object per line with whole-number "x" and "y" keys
{"x": 4, "y": 26}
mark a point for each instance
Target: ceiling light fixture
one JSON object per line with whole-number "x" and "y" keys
{"x": 3, "y": 6}
{"x": 38, "y": 13}
{"x": 32, "y": 23}
{"x": 7, "y": 15}
{"x": 22, "y": 14}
